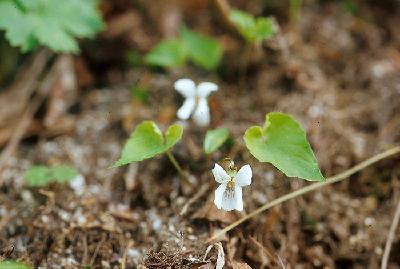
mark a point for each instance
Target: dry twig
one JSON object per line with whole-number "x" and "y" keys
{"x": 391, "y": 235}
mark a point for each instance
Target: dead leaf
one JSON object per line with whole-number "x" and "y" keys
{"x": 240, "y": 265}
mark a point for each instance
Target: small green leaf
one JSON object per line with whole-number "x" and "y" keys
{"x": 64, "y": 173}
{"x": 252, "y": 28}
{"x": 40, "y": 175}
{"x": 168, "y": 53}
{"x": 146, "y": 141}
{"x": 202, "y": 50}
{"x": 13, "y": 265}
{"x": 283, "y": 143}
{"x": 214, "y": 139}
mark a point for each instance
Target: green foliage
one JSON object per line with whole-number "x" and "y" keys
{"x": 214, "y": 139}
{"x": 283, "y": 143}
{"x": 201, "y": 50}
{"x": 40, "y": 175}
{"x": 146, "y": 141}
{"x": 350, "y": 6}
{"x": 252, "y": 28}
{"x": 140, "y": 94}
{"x": 13, "y": 265}
{"x": 52, "y": 23}
{"x": 167, "y": 53}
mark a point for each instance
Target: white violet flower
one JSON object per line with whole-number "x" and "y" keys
{"x": 228, "y": 195}
{"x": 195, "y": 100}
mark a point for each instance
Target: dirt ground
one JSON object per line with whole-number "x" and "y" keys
{"x": 335, "y": 70}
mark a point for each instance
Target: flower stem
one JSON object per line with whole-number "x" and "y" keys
{"x": 309, "y": 188}
{"x": 175, "y": 163}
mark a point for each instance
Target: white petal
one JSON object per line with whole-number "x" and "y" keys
{"x": 229, "y": 200}
{"x": 205, "y": 88}
{"x": 238, "y": 198}
{"x": 219, "y": 194}
{"x": 187, "y": 108}
{"x": 201, "y": 114}
{"x": 186, "y": 87}
{"x": 220, "y": 175}
{"x": 243, "y": 176}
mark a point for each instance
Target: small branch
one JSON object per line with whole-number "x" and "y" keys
{"x": 392, "y": 230}
{"x": 309, "y": 188}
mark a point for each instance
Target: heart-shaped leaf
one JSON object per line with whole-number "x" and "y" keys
{"x": 214, "y": 139}
{"x": 283, "y": 143}
{"x": 146, "y": 141}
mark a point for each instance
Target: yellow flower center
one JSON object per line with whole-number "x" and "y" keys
{"x": 230, "y": 185}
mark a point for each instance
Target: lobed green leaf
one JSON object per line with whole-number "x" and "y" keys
{"x": 51, "y": 23}
{"x": 283, "y": 143}
{"x": 146, "y": 141}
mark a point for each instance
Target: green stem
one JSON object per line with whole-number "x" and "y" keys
{"x": 175, "y": 163}
{"x": 310, "y": 188}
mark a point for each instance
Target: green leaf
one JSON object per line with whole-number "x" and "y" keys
{"x": 168, "y": 53}
{"x": 40, "y": 175}
{"x": 51, "y": 23}
{"x": 64, "y": 173}
{"x": 283, "y": 143}
{"x": 252, "y": 28}
{"x": 202, "y": 50}
{"x": 13, "y": 265}
{"x": 214, "y": 139}
{"x": 146, "y": 141}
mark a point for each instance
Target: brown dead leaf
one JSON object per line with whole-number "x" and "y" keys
{"x": 240, "y": 265}
{"x": 205, "y": 266}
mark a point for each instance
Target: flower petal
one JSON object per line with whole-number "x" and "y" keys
{"x": 186, "y": 87}
{"x": 238, "y": 198}
{"x": 229, "y": 200}
{"x": 205, "y": 88}
{"x": 219, "y": 194}
{"x": 187, "y": 108}
{"x": 243, "y": 176}
{"x": 201, "y": 114}
{"x": 220, "y": 175}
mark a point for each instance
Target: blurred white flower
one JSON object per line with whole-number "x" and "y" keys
{"x": 228, "y": 195}
{"x": 195, "y": 100}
